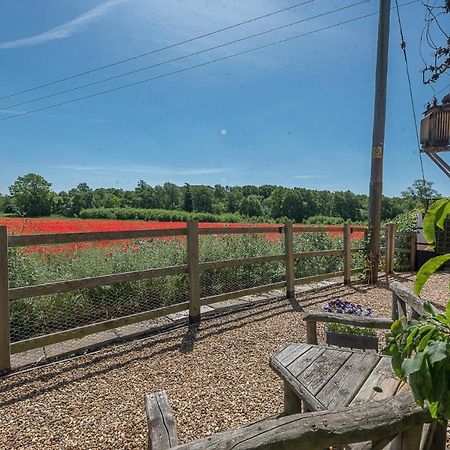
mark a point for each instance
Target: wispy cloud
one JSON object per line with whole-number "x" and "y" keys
{"x": 159, "y": 170}
{"x": 66, "y": 29}
{"x": 306, "y": 177}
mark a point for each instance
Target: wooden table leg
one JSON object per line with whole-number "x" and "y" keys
{"x": 292, "y": 404}
{"x": 408, "y": 440}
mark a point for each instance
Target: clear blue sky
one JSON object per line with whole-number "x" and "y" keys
{"x": 297, "y": 114}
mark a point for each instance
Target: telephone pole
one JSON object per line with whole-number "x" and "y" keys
{"x": 376, "y": 174}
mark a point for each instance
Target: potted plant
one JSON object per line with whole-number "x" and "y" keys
{"x": 349, "y": 335}
{"x": 420, "y": 348}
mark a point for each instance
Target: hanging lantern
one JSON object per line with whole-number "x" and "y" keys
{"x": 435, "y": 127}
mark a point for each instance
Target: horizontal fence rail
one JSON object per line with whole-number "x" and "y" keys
{"x": 193, "y": 271}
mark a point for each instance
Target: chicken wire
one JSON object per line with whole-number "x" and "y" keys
{"x": 37, "y": 316}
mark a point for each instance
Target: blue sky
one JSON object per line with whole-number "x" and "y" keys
{"x": 296, "y": 114}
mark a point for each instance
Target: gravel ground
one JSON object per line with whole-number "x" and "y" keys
{"x": 216, "y": 380}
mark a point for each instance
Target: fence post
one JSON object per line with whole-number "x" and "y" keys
{"x": 290, "y": 262}
{"x": 347, "y": 253}
{"x": 413, "y": 251}
{"x": 193, "y": 263}
{"x": 5, "y": 363}
{"x": 390, "y": 247}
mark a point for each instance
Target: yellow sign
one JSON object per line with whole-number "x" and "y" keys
{"x": 377, "y": 152}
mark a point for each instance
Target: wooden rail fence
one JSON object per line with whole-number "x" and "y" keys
{"x": 192, "y": 269}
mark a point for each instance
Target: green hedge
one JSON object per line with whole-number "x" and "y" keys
{"x": 163, "y": 215}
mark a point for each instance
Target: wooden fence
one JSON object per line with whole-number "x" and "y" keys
{"x": 192, "y": 269}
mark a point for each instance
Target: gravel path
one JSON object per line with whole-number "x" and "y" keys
{"x": 217, "y": 381}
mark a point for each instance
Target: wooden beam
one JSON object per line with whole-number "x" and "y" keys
{"x": 228, "y": 263}
{"x": 305, "y": 255}
{"x": 321, "y": 429}
{"x": 76, "y": 333}
{"x": 317, "y": 229}
{"x": 69, "y": 238}
{"x": 289, "y": 260}
{"x": 85, "y": 283}
{"x": 241, "y": 230}
{"x": 347, "y": 254}
{"x": 243, "y": 292}
{"x": 193, "y": 271}
{"x": 5, "y": 363}
{"x": 348, "y": 319}
{"x": 162, "y": 428}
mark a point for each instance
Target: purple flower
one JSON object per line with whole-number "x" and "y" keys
{"x": 343, "y": 307}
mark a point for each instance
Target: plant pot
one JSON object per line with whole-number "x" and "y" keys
{"x": 349, "y": 340}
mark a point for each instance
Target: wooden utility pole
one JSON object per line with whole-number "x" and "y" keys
{"x": 376, "y": 174}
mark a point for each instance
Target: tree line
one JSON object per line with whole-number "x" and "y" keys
{"x": 31, "y": 195}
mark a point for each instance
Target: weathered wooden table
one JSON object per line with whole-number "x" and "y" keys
{"x": 325, "y": 378}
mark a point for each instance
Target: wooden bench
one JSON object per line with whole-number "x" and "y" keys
{"x": 379, "y": 421}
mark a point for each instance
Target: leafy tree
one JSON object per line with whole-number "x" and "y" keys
{"x": 203, "y": 198}
{"x": 251, "y": 206}
{"x": 188, "y": 203}
{"x": 82, "y": 198}
{"x": 418, "y": 193}
{"x": 144, "y": 195}
{"x": 32, "y": 195}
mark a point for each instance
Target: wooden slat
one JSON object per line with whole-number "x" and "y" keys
{"x": 314, "y": 278}
{"x": 242, "y": 230}
{"x": 5, "y": 363}
{"x": 228, "y": 263}
{"x": 291, "y": 352}
{"x": 162, "y": 428}
{"x": 317, "y": 229}
{"x": 69, "y": 238}
{"x": 381, "y": 383}
{"x": 341, "y": 389}
{"x": 243, "y": 292}
{"x": 76, "y": 333}
{"x": 348, "y": 319}
{"x": 323, "y": 368}
{"x": 407, "y": 296}
{"x": 305, "y": 255}
{"x": 289, "y": 260}
{"x": 303, "y": 361}
{"x": 85, "y": 283}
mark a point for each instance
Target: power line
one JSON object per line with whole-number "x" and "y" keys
{"x": 179, "y": 58}
{"x": 164, "y": 75}
{"x": 411, "y": 96}
{"x": 151, "y": 52}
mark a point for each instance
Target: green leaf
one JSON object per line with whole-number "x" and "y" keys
{"x": 428, "y": 269}
{"x": 436, "y": 351}
{"x": 429, "y": 221}
{"x": 424, "y": 341}
{"x": 412, "y": 365}
{"x": 442, "y": 214}
{"x": 447, "y": 311}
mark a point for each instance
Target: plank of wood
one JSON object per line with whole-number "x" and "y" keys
{"x": 79, "y": 332}
{"x": 5, "y": 363}
{"x": 349, "y": 319}
{"x": 243, "y": 292}
{"x": 291, "y": 352}
{"x": 323, "y": 368}
{"x": 314, "y": 278}
{"x": 316, "y": 253}
{"x": 162, "y": 428}
{"x": 69, "y": 238}
{"x": 381, "y": 383}
{"x": 304, "y": 360}
{"x": 229, "y": 263}
{"x": 92, "y": 282}
{"x": 193, "y": 271}
{"x": 242, "y": 230}
{"x": 408, "y": 297}
{"x": 341, "y": 389}
{"x": 317, "y": 229}
{"x": 289, "y": 259}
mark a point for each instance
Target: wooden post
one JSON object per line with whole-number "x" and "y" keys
{"x": 390, "y": 247}
{"x": 292, "y": 404}
{"x": 5, "y": 363}
{"x": 311, "y": 332}
{"x": 193, "y": 263}
{"x": 290, "y": 262}
{"x": 413, "y": 251}
{"x": 394, "y": 308}
{"x": 347, "y": 254}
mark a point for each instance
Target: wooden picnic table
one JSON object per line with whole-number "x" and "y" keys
{"x": 326, "y": 378}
